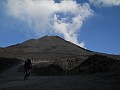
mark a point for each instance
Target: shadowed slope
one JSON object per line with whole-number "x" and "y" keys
{"x": 6, "y": 63}
{"x": 98, "y": 64}
{"x": 50, "y": 46}
{"x": 47, "y": 47}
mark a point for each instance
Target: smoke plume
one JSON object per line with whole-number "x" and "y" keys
{"x": 47, "y": 16}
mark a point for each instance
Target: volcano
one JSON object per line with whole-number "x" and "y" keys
{"x": 51, "y": 49}
{"x": 52, "y": 55}
{"x": 47, "y": 47}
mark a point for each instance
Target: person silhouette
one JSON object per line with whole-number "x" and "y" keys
{"x": 27, "y": 68}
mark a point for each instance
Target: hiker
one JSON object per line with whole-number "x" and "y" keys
{"x": 27, "y": 68}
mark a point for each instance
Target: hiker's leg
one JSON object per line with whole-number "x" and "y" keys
{"x": 25, "y": 77}
{"x": 28, "y": 72}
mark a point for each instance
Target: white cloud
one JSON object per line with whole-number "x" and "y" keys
{"x": 64, "y": 18}
{"x": 105, "y": 3}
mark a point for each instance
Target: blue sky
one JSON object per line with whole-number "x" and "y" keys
{"x": 99, "y": 32}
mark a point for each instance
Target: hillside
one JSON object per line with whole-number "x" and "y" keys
{"x": 50, "y": 46}
{"x": 53, "y": 44}
{"x": 6, "y": 63}
{"x": 92, "y": 65}
{"x": 60, "y": 64}
{"x": 51, "y": 49}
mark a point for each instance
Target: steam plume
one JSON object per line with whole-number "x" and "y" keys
{"x": 47, "y": 16}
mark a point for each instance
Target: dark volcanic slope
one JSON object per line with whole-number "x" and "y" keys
{"x": 92, "y": 65}
{"x": 6, "y": 63}
{"x": 99, "y": 63}
{"x": 47, "y": 47}
{"x": 56, "y": 51}
{"x": 52, "y": 44}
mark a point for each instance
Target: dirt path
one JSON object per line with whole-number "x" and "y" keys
{"x": 13, "y": 80}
